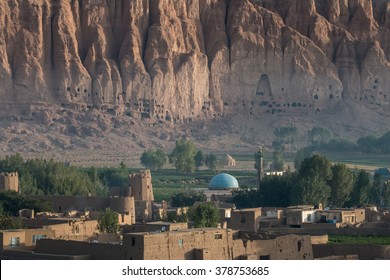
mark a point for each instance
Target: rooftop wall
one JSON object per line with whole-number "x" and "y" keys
{"x": 97, "y": 251}
{"x": 365, "y": 252}
{"x": 63, "y": 203}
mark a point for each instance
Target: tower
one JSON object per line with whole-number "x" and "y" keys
{"x": 142, "y": 191}
{"x": 9, "y": 181}
{"x": 259, "y": 163}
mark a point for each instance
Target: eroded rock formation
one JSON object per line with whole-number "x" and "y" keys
{"x": 178, "y": 60}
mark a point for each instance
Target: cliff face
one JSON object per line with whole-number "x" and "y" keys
{"x": 177, "y": 60}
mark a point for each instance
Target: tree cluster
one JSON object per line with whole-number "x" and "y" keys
{"x": 154, "y": 159}
{"x": 7, "y": 222}
{"x": 375, "y": 145}
{"x": 10, "y": 204}
{"x": 37, "y": 176}
{"x": 108, "y": 221}
{"x": 321, "y": 139}
{"x": 285, "y": 137}
{"x": 187, "y": 198}
{"x": 204, "y": 215}
{"x": 185, "y": 157}
{"x": 318, "y": 181}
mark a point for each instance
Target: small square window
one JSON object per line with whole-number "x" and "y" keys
{"x": 181, "y": 242}
{"x": 14, "y": 241}
{"x": 218, "y": 236}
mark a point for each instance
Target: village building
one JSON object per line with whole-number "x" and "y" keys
{"x": 274, "y": 173}
{"x": 230, "y": 161}
{"x": 298, "y": 215}
{"x": 23, "y": 238}
{"x": 73, "y": 232}
{"x": 60, "y": 228}
{"x": 375, "y": 215}
{"x": 245, "y": 219}
{"x": 306, "y": 214}
{"x": 134, "y": 203}
{"x": 341, "y": 216}
{"x": 191, "y": 244}
{"x": 272, "y": 217}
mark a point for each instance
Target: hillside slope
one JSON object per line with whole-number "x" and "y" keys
{"x": 190, "y": 61}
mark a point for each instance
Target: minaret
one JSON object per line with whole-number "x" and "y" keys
{"x": 260, "y": 171}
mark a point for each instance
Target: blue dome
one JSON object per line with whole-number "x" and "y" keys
{"x": 223, "y": 181}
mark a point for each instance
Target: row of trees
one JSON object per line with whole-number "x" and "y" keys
{"x": 318, "y": 181}
{"x": 37, "y": 176}
{"x": 10, "y": 204}
{"x": 185, "y": 157}
{"x": 322, "y": 139}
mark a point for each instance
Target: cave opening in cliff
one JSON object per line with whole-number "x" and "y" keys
{"x": 264, "y": 86}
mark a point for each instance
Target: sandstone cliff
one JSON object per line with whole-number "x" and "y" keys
{"x": 179, "y": 60}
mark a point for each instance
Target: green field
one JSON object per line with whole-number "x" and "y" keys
{"x": 371, "y": 240}
{"x": 375, "y": 161}
{"x": 167, "y": 182}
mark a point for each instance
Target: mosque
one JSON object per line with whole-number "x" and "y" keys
{"x": 221, "y": 185}
{"x": 223, "y": 181}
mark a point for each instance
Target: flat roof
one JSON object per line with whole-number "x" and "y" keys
{"x": 193, "y": 230}
{"x": 163, "y": 223}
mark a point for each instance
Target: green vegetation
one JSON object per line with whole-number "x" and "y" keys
{"x": 211, "y": 161}
{"x": 278, "y": 161}
{"x": 205, "y": 215}
{"x": 341, "y": 185}
{"x": 108, "y": 221}
{"x": 318, "y": 135}
{"x": 361, "y": 189}
{"x": 187, "y": 198}
{"x": 7, "y": 222}
{"x": 37, "y": 176}
{"x": 183, "y": 156}
{"x": 321, "y": 140}
{"x": 375, "y": 145}
{"x": 285, "y": 137}
{"x": 347, "y": 239}
{"x": 274, "y": 191}
{"x": 168, "y": 182}
{"x": 317, "y": 181}
{"x": 312, "y": 187}
{"x": 200, "y": 159}
{"x": 11, "y": 202}
{"x": 154, "y": 159}
{"x": 174, "y": 218}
